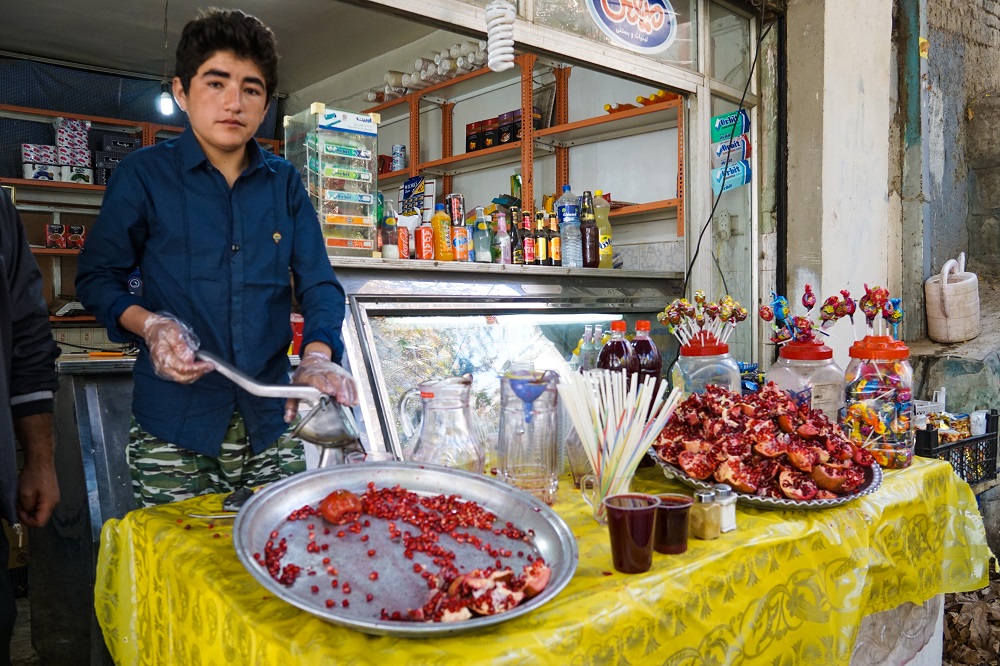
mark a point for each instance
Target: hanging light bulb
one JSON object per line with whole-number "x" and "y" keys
{"x": 165, "y": 100}
{"x": 500, "y": 34}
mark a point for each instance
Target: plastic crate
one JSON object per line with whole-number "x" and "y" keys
{"x": 974, "y": 458}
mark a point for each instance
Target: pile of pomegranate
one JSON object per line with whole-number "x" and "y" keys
{"x": 426, "y": 531}
{"x": 762, "y": 444}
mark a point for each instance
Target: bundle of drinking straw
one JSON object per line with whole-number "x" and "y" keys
{"x": 617, "y": 420}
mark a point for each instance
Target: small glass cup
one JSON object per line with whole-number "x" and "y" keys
{"x": 672, "y": 524}
{"x": 579, "y": 464}
{"x": 594, "y": 491}
{"x": 631, "y": 518}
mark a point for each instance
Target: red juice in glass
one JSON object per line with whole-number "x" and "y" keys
{"x": 671, "y": 535}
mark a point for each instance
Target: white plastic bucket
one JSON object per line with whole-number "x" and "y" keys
{"x": 952, "y": 303}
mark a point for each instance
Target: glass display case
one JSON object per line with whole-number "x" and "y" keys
{"x": 337, "y": 154}
{"x": 410, "y": 326}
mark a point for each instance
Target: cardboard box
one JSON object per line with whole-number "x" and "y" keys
{"x": 17, "y": 554}
{"x": 41, "y": 172}
{"x": 108, "y": 158}
{"x": 55, "y": 236}
{"x": 491, "y": 132}
{"x": 102, "y": 174}
{"x": 536, "y": 116}
{"x": 505, "y": 123}
{"x": 119, "y": 142}
{"x": 76, "y": 174}
{"x": 473, "y": 136}
{"x": 76, "y": 235}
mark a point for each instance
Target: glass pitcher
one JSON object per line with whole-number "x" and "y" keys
{"x": 444, "y": 435}
{"x": 528, "y": 447}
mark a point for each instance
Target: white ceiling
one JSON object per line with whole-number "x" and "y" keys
{"x": 316, "y": 38}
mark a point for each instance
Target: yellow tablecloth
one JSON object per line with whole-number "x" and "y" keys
{"x": 785, "y": 588}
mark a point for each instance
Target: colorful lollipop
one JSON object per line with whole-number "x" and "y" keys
{"x": 808, "y": 299}
{"x": 803, "y": 329}
{"x": 892, "y": 312}
{"x": 780, "y": 306}
{"x": 766, "y": 313}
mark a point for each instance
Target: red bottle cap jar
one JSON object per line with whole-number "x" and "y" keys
{"x": 813, "y": 350}
{"x": 879, "y": 348}
{"x": 704, "y": 344}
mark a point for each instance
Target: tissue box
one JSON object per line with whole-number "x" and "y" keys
{"x": 69, "y": 139}
{"x": 77, "y": 174}
{"x": 119, "y": 142}
{"x": 72, "y": 125}
{"x": 33, "y": 153}
{"x": 74, "y": 156}
{"x": 108, "y": 158}
{"x": 40, "y": 171}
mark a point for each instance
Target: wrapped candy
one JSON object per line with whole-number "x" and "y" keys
{"x": 808, "y": 298}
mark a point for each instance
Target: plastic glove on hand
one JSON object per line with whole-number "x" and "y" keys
{"x": 172, "y": 346}
{"x": 317, "y": 370}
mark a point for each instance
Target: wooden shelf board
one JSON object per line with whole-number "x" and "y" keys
{"x": 624, "y": 123}
{"x": 29, "y": 183}
{"x": 621, "y": 214}
{"x": 73, "y": 319}
{"x": 53, "y": 251}
{"x": 37, "y": 115}
{"x": 472, "y": 161}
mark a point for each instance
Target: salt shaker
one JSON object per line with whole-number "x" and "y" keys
{"x": 726, "y": 499}
{"x": 706, "y": 516}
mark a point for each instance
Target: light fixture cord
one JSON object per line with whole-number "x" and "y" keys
{"x": 166, "y": 5}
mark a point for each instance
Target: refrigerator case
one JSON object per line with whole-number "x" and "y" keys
{"x": 337, "y": 154}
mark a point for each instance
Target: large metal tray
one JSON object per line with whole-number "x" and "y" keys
{"x": 397, "y": 586}
{"x": 873, "y": 479}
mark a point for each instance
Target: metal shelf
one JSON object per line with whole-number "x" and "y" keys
{"x": 640, "y": 120}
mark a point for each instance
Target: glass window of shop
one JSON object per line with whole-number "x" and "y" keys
{"x": 729, "y": 46}
{"x": 578, "y": 18}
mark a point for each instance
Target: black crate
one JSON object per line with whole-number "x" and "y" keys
{"x": 974, "y": 458}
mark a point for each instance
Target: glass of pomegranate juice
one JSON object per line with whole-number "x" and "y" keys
{"x": 672, "y": 524}
{"x": 631, "y": 518}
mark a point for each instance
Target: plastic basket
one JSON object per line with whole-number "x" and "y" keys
{"x": 974, "y": 458}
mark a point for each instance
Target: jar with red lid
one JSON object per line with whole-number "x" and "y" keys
{"x": 878, "y": 396}
{"x": 806, "y": 371}
{"x": 705, "y": 361}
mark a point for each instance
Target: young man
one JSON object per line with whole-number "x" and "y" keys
{"x": 217, "y": 227}
{"x": 27, "y": 381}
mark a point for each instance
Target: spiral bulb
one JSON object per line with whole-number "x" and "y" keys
{"x": 500, "y": 34}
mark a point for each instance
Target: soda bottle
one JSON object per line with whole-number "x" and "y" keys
{"x": 390, "y": 239}
{"x": 481, "y": 238}
{"x": 568, "y": 211}
{"x": 588, "y": 232}
{"x": 601, "y": 210}
{"x": 528, "y": 239}
{"x": 617, "y": 353}
{"x": 501, "y": 247}
{"x": 650, "y": 363}
{"x": 516, "y": 243}
{"x": 542, "y": 257}
{"x": 555, "y": 241}
{"x": 441, "y": 224}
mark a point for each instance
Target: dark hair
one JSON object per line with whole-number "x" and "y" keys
{"x": 227, "y": 30}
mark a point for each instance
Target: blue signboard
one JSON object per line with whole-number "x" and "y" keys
{"x": 645, "y": 26}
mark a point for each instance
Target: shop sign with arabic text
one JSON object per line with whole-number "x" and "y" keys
{"x": 646, "y": 26}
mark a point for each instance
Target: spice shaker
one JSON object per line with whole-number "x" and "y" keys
{"x": 706, "y": 516}
{"x": 726, "y": 499}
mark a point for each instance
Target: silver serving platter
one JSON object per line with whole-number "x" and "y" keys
{"x": 873, "y": 479}
{"x": 397, "y": 587}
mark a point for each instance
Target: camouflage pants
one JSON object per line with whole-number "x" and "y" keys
{"x": 163, "y": 472}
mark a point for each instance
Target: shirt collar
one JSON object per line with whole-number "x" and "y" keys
{"x": 192, "y": 155}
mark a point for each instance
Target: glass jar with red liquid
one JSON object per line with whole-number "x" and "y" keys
{"x": 650, "y": 363}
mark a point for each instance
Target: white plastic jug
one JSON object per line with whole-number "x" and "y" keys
{"x": 952, "y": 303}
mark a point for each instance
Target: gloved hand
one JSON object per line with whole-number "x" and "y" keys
{"x": 172, "y": 346}
{"x": 317, "y": 370}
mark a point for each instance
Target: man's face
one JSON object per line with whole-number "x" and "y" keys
{"x": 225, "y": 102}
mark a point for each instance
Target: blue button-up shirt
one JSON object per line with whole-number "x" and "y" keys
{"x": 223, "y": 260}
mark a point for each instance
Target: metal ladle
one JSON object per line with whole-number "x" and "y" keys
{"x": 328, "y": 424}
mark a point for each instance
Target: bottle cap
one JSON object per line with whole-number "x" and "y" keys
{"x": 439, "y": 207}
{"x": 642, "y": 325}
{"x": 798, "y": 350}
{"x": 722, "y": 491}
{"x": 565, "y": 188}
{"x": 598, "y": 193}
{"x": 704, "y": 497}
{"x": 618, "y": 325}
{"x": 879, "y": 348}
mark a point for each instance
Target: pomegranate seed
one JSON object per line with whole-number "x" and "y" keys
{"x": 330, "y": 603}
{"x": 371, "y": 553}
{"x": 373, "y": 575}
{"x": 345, "y": 603}
{"x": 369, "y": 597}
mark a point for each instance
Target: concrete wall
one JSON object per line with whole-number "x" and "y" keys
{"x": 964, "y": 188}
{"x": 840, "y": 234}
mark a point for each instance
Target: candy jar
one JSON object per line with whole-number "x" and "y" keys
{"x": 806, "y": 371}
{"x": 878, "y": 400}
{"x": 705, "y": 361}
